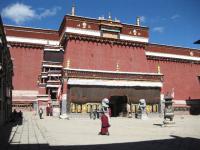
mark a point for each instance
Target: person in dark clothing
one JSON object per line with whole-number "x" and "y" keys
{"x": 40, "y": 112}
{"x": 20, "y": 114}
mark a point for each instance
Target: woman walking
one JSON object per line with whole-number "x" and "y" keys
{"x": 104, "y": 125}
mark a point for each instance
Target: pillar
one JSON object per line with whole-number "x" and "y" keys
{"x": 64, "y": 104}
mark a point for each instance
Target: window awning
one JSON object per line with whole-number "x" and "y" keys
{"x": 83, "y": 94}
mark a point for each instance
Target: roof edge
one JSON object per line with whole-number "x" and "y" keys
{"x": 181, "y": 47}
{"x": 29, "y": 27}
{"x": 106, "y": 20}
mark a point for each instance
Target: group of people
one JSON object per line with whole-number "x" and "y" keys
{"x": 16, "y": 116}
{"x": 105, "y": 116}
{"x": 94, "y": 114}
{"x": 49, "y": 111}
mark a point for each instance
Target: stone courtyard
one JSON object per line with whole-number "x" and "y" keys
{"x": 81, "y": 132}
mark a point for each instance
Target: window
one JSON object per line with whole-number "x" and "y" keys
{"x": 109, "y": 32}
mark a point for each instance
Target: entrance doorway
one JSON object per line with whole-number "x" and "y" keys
{"x": 118, "y": 106}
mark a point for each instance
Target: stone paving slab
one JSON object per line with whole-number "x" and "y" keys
{"x": 52, "y": 133}
{"x": 73, "y": 131}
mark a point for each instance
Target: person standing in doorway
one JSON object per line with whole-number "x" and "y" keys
{"x": 40, "y": 112}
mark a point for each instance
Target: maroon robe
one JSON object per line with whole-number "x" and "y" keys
{"x": 104, "y": 125}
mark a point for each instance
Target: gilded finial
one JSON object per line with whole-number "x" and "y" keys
{"x": 109, "y": 16}
{"x": 117, "y": 66}
{"x": 68, "y": 63}
{"x": 138, "y": 21}
{"x": 158, "y": 68}
{"x": 73, "y": 8}
{"x": 117, "y": 20}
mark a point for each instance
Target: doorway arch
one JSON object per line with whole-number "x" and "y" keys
{"x": 118, "y": 105}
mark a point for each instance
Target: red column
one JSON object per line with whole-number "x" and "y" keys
{"x": 65, "y": 90}
{"x": 65, "y": 86}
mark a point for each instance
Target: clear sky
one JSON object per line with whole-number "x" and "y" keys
{"x": 171, "y": 22}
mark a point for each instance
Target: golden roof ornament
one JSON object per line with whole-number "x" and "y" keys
{"x": 117, "y": 66}
{"x": 158, "y": 68}
{"x": 73, "y": 8}
{"x": 68, "y": 63}
{"x": 109, "y": 16}
{"x": 138, "y": 21}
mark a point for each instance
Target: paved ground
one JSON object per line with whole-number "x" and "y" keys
{"x": 81, "y": 133}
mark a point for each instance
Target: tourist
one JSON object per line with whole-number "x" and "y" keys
{"x": 91, "y": 113}
{"x": 94, "y": 114}
{"x": 128, "y": 107}
{"x": 14, "y": 116}
{"x": 20, "y": 117}
{"x": 105, "y": 108}
{"x": 97, "y": 113}
{"x": 48, "y": 110}
{"x": 15, "y": 113}
{"x": 109, "y": 112}
{"x": 51, "y": 110}
{"x": 40, "y": 113}
{"x": 20, "y": 114}
{"x": 104, "y": 125}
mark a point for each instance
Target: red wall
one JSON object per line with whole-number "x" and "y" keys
{"x": 183, "y": 77}
{"x": 27, "y": 66}
{"x": 90, "y": 55}
{"x": 180, "y": 76}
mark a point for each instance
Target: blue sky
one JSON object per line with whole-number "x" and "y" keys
{"x": 171, "y": 22}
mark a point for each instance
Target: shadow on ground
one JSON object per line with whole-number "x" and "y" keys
{"x": 6, "y": 130}
{"x": 176, "y": 143}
